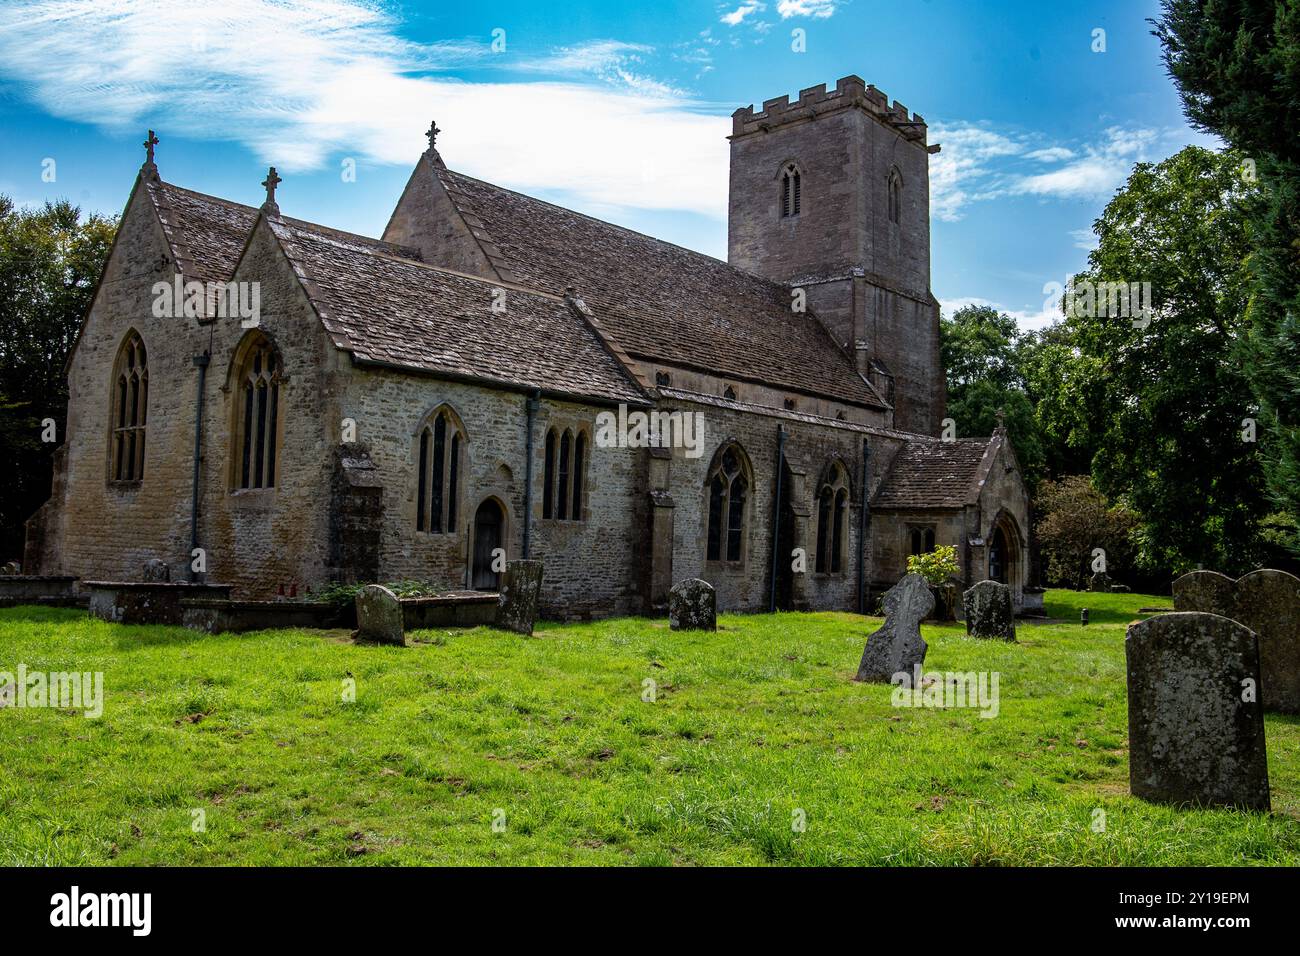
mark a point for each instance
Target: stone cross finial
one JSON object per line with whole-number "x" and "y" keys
{"x": 150, "y": 142}
{"x": 1002, "y": 418}
{"x": 270, "y": 182}
{"x": 433, "y": 134}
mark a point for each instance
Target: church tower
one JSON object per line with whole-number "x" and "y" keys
{"x": 832, "y": 194}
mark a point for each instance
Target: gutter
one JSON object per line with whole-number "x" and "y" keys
{"x": 776, "y": 515}
{"x": 530, "y": 409}
{"x": 201, "y": 363}
{"x": 864, "y": 527}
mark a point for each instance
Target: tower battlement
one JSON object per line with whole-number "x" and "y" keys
{"x": 850, "y": 92}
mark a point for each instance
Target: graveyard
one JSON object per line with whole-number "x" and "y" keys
{"x": 618, "y": 742}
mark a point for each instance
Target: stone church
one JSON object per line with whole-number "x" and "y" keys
{"x": 417, "y": 406}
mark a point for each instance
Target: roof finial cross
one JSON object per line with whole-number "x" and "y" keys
{"x": 149, "y": 144}
{"x": 433, "y": 134}
{"x": 270, "y": 182}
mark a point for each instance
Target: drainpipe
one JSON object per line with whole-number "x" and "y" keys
{"x": 776, "y": 515}
{"x": 530, "y": 407}
{"x": 201, "y": 363}
{"x": 864, "y": 529}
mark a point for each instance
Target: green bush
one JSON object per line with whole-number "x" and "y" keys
{"x": 936, "y": 566}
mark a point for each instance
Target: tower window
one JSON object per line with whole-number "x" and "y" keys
{"x": 895, "y": 196}
{"x": 790, "y": 191}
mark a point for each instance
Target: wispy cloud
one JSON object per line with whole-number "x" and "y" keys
{"x": 303, "y": 82}
{"x": 746, "y": 9}
{"x": 818, "y": 9}
{"x": 1027, "y": 320}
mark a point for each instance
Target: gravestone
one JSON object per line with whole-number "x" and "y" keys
{"x": 990, "y": 611}
{"x": 1267, "y": 602}
{"x": 1099, "y": 582}
{"x": 11, "y": 568}
{"x": 898, "y": 648}
{"x": 521, "y": 588}
{"x": 155, "y": 570}
{"x": 1195, "y": 724}
{"x": 379, "y": 616}
{"x": 693, "y": 606}
{"x": 1207, "y": 591}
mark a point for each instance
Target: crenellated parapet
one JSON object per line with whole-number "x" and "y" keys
{"x": 851, "y": 92}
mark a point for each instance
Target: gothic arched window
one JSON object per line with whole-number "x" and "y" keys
{"x": 441, "y": 448}
{"x": 728, "y": 485}
{"x": 921, "y": 538}
{"x": 130, "y": 408}
{"x": 895, "y": 196}
{"x": 256, "y": 386}
{"x": 791, "y": 191}
{"x": 565, "y": 470}
{"x": 832, "y": 519}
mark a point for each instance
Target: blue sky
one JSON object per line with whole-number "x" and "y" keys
{"x": 619, "y": 110}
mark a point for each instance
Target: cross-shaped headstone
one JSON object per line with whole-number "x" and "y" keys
{"x": 270, "y": 182}
{"x": 433, "y": 134}
{"x": 1002, "y": 418}
{"x": 149, "y": 144}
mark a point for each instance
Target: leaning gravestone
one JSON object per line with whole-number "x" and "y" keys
{"x": 521, "y": 588}
{"x": 1099, "y": 582}
{"x": 1195, "y": 724}
{"x": 155, "y": 570}
{"x": 1207, "y": 591}
{"x": 898, "y": 648}
{"x": 990, "y": 611}
{"x": 379, "y": 616}
{"x": 1268, "y": 602}
{"x": 693, "y": 606}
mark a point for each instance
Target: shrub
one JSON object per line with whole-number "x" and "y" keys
{"x": 937, "y": 566}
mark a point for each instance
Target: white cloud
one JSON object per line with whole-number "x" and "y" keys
{"x": 301, "y": 82}
{"x": 738, "y": 15}
{"x": 1052, "y": 154}
{"x": 959, "y": 173}
{"x": 1084, "y": 239}
{"x": 819, "y": 9}
{"x": 1099, "y": 172}
{"x": 1027, "y": 320}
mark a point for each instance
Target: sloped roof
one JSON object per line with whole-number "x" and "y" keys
{"x": 660, "y": 301}
{"x": 934, "y": 474}
{"x": 377, "y": 301}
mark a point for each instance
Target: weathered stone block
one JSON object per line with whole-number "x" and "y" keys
{"x": 1195, "y": 724}
{"x": 1207, "y": 591}
{"x": 521, "y": 588}
{"x": 1100, "y": 582}
{"x": 990, "y": 611}
{"x": 898, "y": 648}
{"x": 379, "y": 616}
{"x": 693, "y": 606}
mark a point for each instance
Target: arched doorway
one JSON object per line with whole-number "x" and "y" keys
{"x": 489, "y": 526}
{"x": 999, "y": 556}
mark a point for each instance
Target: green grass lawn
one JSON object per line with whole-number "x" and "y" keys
{"x": 753, "y": 727}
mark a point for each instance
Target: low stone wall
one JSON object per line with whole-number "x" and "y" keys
{"x": 38, "y": 589}
{"x": 454, "y": 609}
{"x": 217, "y": 616}
{"x": 141, "y": 602}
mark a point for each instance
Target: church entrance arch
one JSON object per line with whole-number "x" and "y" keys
{"x": 489, "y": 536}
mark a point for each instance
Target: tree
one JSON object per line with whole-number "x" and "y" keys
{"x": 1164, "y": 393}
{"x": 1237, "y": 67}
{"x": 1076, "y": 520}
{"x": 982, "y": 357}
{"x": 50, "y": 260}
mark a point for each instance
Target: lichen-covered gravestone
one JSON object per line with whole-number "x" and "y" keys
{"x": 1100, "y": 582}
{"x": 521, "y": 589}
{"x": 1195, "y": 724}
{"x": 693, "y": 606}
{"x": 379, "y": 616}
{"x": 898, "y": 648}
{"x": 1207, "y": 591}
{"x": 1268, "y": 602}
{"x": 990, "y": 611}
{"x": 155, "y": 570}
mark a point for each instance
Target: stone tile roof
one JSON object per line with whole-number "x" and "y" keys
{"x": 934, "y": 474}
{"x": 380, "y": 303}
{"x": 660, "y": 301}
